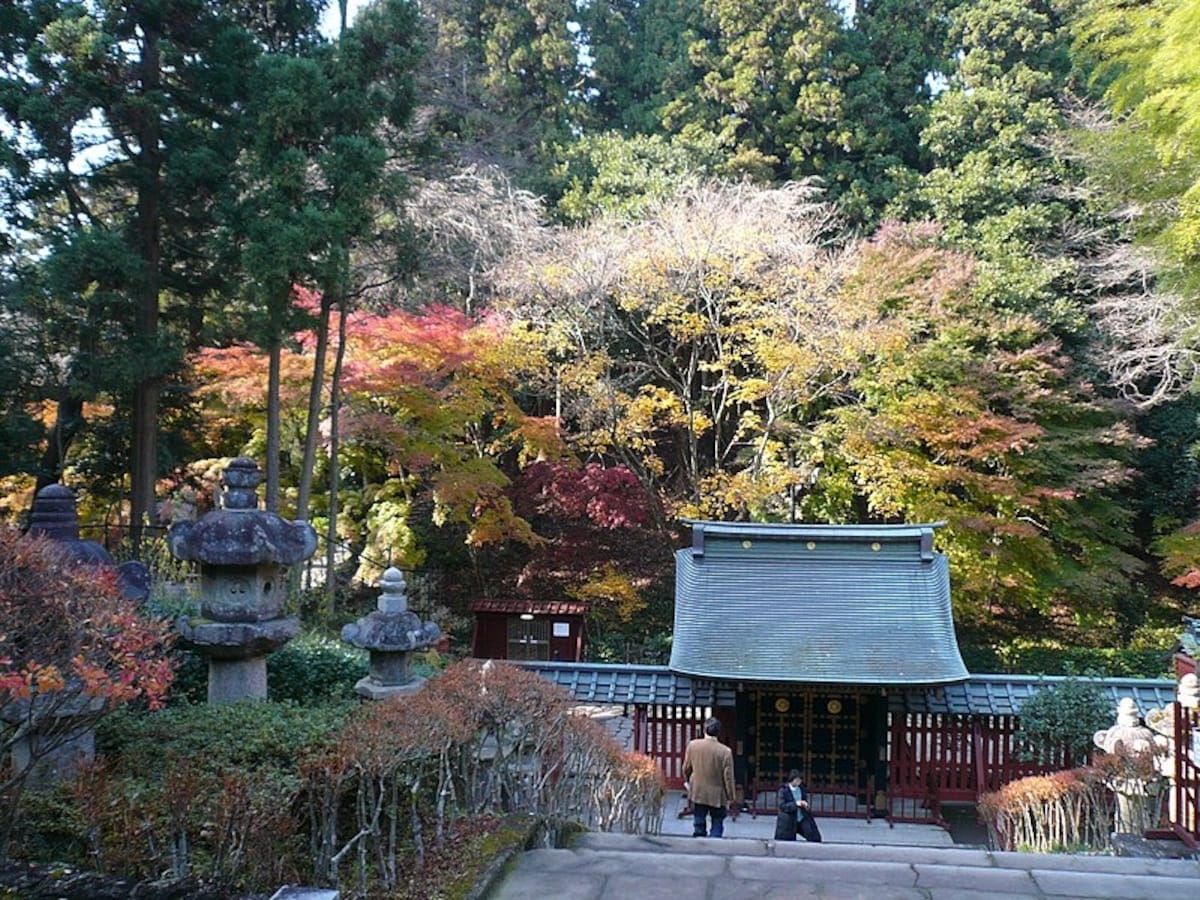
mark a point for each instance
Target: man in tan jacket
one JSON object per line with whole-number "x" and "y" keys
{"x": 708, "y": 774}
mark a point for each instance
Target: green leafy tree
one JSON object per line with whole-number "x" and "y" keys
{"x": 119, "y": 139}
{"x": 613, "y": 174}
{"x": 997, "y": 183}
{"x": 973, "y": 416}
{"x": 1061, "y": 718}
{"x": 1142, "y": 59}
{"x": 772, "y": 86}
{"x": 500, "y": 79}
{"x": 639, "y": 61}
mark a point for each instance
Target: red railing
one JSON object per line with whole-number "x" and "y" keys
{"x": 1184, "y": 806}
{"x": 665, "y": 732}
{"x": 938, "y": 758}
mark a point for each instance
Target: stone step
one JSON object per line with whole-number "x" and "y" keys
{"x": 611, "y": 866}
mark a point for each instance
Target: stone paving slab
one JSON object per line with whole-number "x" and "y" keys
{"x": 1116, "y": 865}
{"x": 648, "y": 867}
{"x": 729, "y": 889}
{"x": 1000, "y": 881}
{"x": 660, "y": 843}
{"x": 883, "y": 853}
{"x": 959, "y": 893}
{"x": 565, "y": 885}
{"x": 614, "y": 862}
{"x": 1126, "y": 887}
{"x": 892, "y": 874}
{"x": 627, "y": 887}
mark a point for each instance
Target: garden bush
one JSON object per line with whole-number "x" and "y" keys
{"x": 254, "y": 795}
{"x": 72, "y": 650}
{"x": 1021, "y": 658}
{"x": 202, "y": 790}
{"x": 1067, "y": 811}
{"x": 312, "y": 668}
{"x": 1061, "y": 719}
{"x": 480, "y": 739}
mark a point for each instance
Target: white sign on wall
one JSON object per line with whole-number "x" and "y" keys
{"x": 562, "y": 629}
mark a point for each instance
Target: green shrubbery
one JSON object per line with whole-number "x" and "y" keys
{"x": 254, "y": 795}
{"x": 1047, "y": 659}
{"x": 312, "y": 668}
{"x": 1062, "y": 718}
{"x": 210, "y": 791}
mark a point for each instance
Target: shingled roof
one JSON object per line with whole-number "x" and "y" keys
{"x": 814, "y": 604}
{"x": 978, "y": 695}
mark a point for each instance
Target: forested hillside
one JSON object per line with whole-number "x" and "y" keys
{"x": 501, "y": 291}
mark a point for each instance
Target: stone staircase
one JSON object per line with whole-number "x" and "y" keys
{"x": 636, "y": 867}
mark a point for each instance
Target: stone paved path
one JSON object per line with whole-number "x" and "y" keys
{"x": 629, "y": 867}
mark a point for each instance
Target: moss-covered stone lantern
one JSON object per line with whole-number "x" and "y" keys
{"x": 390, "y": 634}
{"x": 243, "y": 553}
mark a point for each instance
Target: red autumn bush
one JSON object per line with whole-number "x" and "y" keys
{"x": 1069, "y": 810}
{"x": 72, "y": 649}
{"x": 481, "y": 739}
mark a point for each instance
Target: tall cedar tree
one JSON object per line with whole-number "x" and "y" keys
{"x": 118, "y": 150}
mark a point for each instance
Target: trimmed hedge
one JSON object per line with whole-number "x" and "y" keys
{"x": 253, "y": 735}
{"x": 1035, "y": 659}
{"x": 312, "y": 668}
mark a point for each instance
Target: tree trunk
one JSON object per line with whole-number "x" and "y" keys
{"x": 68, "y": 420}
{"x": 335, "y": 399}
{"x": 273, "y": 379}
{"x": 143, "y": 457}
{"x": 313, "y": 422}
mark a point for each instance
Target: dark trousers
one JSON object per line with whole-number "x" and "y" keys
{"x": 700, "y": 820}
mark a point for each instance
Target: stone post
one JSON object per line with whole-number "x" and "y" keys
{"x": 242, "y": 552}
{"x": 390, "y": 634}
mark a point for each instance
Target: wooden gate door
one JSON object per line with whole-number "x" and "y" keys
{"x": 819, "y": 733}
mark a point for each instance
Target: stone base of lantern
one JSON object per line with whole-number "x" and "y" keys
{"x": 231, "y": 680}
{"x": 371, "y": 689}
{"x": 54, "y": 742}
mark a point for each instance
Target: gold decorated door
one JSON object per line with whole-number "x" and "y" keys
{"x": 819, "y": 733}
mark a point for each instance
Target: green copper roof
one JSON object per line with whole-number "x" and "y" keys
{"x": 821, "y": 604}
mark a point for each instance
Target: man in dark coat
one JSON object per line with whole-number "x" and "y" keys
{"x": 708, "y": 773}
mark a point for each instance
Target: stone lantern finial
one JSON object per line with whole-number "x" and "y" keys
{"x": 392, "y": 599}
{"x": 1188, "y": 692}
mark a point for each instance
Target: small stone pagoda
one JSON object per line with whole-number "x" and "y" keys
{"x": 390, "y": 634}
{"x": 242, "y": 552}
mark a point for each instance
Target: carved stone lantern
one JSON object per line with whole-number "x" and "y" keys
{"x": 1137, "y": 794}
{"x": 53, "y": 515}
{"x": 243, "y": 553}
{"x": 390, "y": 634}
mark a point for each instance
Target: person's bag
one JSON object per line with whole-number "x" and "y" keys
{"x": 807, "y": 826}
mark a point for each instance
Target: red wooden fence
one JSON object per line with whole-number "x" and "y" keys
{"x": 1184, "y": 807}
{"x": 937, "y": 758}
{"x": 934, "y": 758}
{"x": 665, "y": 731}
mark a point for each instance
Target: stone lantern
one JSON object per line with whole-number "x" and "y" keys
{"x": 390, "y": 634}
{"x": 1136, "y": 794}
{"x": 243, "y": 553}
{"x": 53, "y": 515}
